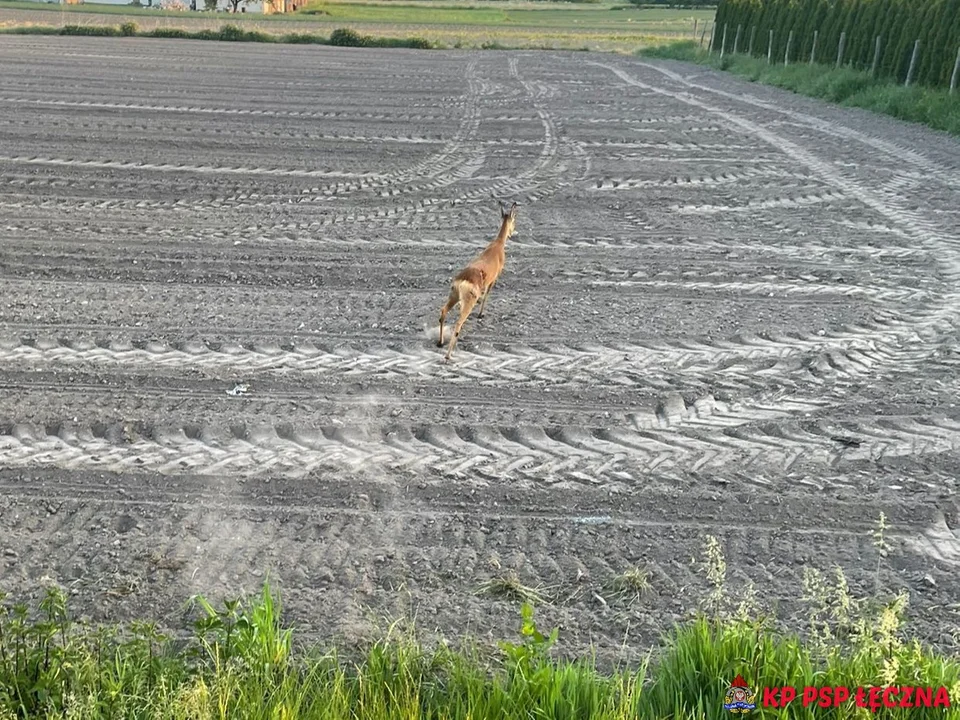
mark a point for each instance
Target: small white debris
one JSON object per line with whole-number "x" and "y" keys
{"x": 239, "y": 389}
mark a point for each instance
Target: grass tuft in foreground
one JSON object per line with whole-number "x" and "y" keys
{"x": 240, "y": 662}
{"x": 935, "y": 108}
{"x": 509, "y": 586}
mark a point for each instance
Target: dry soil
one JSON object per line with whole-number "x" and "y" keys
{"x": 727, "y": 311}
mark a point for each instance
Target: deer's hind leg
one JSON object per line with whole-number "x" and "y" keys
{"x": 483, "y": 302}
{"x": 451, "y": 301}
{"x": 466, "y": 307}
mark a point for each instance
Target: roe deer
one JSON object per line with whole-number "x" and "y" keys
{"x": 477, "y": 279}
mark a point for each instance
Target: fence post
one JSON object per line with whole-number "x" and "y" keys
{"x": 813, "y": 50}
{"x": 770, "y": 48}
{"x": 913, "y": 62}
{"x": 786, "y": 55}
{"x": 695, "y": 28}
{"x": 736, "y": 40}
{"x": 876, "y": 58}
{"x": 703, "y": 34}
{"x": 956, "y": 72}
{"x": 843, "y": 41}
{"x": 753, "y": 32}
{"x": 723, "y": 47}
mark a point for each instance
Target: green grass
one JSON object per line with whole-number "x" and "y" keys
{"x": 240, "y": 661}
{"x": 932, "y": 107}
{"x": 552, "y": 15}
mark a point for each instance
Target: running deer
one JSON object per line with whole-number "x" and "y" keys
{"x": 477, "y": 279}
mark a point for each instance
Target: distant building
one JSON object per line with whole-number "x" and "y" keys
{"x": 267, "y": 7}
{"x": 282, "y": 6}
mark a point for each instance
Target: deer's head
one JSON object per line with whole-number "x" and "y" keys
{"x": 508, "y": 218}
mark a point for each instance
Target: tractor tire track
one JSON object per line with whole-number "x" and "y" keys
{"x": 877, "y": 344}
{"x": 577, "y": 456}
{"x": 944, "y": 315}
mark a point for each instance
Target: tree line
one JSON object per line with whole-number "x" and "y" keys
{"x": 898, "y": 24}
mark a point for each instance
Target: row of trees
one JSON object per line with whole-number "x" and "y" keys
{"x": 898, "y": 24}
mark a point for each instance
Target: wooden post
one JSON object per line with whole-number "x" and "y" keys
{"x": 695, "y": 28}
{"x": 770, "y": 48}
{"x": 736, "y": 40}
{"x": 913, "y": 62}
{"x": 813, "y": 50}
{"x": 786, "y": 54}
{"x": 703, "y": 34}
{"x": 956, "y": 72}
{"x": 876, "y": 58}
{"x": 723, "y": 47}
{"x": 753, "y": 32}
{"x": 843, "y": 41}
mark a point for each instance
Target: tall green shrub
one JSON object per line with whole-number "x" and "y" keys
{"x": 899, "y": 23}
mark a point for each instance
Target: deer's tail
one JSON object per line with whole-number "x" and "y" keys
{"x": 465, "y": 289}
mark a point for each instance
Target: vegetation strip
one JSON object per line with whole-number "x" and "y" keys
{"x": 232, "y": 33}
{"x": 934, "y": 107}
{"x": 900, "y": 39}
{"x": 240, "y": 662}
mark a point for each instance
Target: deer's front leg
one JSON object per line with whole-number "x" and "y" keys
{"x": 451, "y": 301}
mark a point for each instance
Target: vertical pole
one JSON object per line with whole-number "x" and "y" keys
{"x": 736, "y": 40}
{"x": 770, "y": 48}
{"x": 723, "y": 47}
{"x": 843, "y": 41}
{"x": 913, "y": 62}
{"x": 876, "y": 58}
{"x": 813, "y": 50}
{"x": 703, "y": 34}
{"x": 956, "y": 72}
{"x": 695, "y": 28}
{"x": 753, "y": 32}
{"x": 786, "y": 55}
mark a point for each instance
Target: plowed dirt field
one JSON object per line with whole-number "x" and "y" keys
{"x": 727, "y": 311}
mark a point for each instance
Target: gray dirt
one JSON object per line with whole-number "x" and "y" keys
{"x": 727, "y": 311}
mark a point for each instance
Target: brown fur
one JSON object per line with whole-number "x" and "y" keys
{"x": 474, "y": 282}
